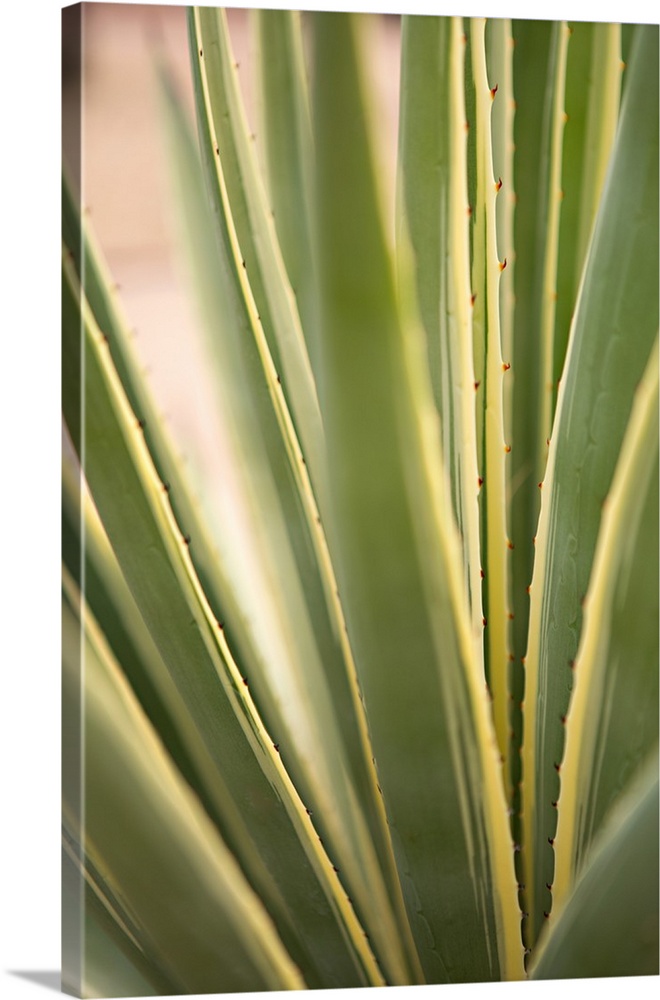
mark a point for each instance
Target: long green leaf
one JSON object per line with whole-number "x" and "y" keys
{"x": 101, "y": 294}
{"x": 112, "y": 604}
{"x": 399, "y": 560}
{"x": 433, "y": 217}
{"x": 531, "y": 64}
{"x": 609, "y": 925}
{"x": 615, "y": 325}
{"x": 547, "y": 304}
{"x": 103, "y": 903}
{"x": 613, "y": 719}
{"x": 286, "y": 130}
{"x": 157, "y": 845}
{"x": 294, "y": 646}
{"x": 295, "y": 876}
{"x": 486, "y": 328}
{"x": 593, "y": 84}
{"x": 499, "y": 53}
{"x": 89, "y": 559}
{"x": 232, "y": 175}
{"x": 110, "y": 960}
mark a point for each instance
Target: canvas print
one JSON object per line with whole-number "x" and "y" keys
{"x": 360, "y": 532}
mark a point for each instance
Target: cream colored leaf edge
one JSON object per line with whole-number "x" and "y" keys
{"x": 465, "y": 693}
{"x": 496, "y": 563}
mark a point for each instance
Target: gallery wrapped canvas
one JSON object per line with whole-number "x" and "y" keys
{"x": 360, "y": 638}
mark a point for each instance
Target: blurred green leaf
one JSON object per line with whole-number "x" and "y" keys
{"x": 609, "y": 924}
{"x": 615, "y": 325}
{"x": 303, "y": 674}
{"x": 153, "y": 839}
{"x": 613, "y": 713}
{"x": 289, "y": 867}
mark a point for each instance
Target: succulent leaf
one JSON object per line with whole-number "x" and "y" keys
{"x": 613, "y": 719}
{"x": 433, "y": 220}
{"x": 286, "y": 129}
{"x": 406, "y": 608}
{"x": 153, "y": 552}
{"x": 608, "y": 925}
{"x": 615, "y": 325}
{"x": 130, "y": 787}
{"x": 593, "y": 86}
{"x": 296, "y": 653}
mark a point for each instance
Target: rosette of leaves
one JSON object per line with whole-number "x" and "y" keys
{"x": 402, "y": 727}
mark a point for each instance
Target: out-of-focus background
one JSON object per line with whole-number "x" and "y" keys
{"x": 127, "y": 192}
{"x": 127, "y": 189}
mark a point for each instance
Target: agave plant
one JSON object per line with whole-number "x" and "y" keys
{"x": 395, "y": 721}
